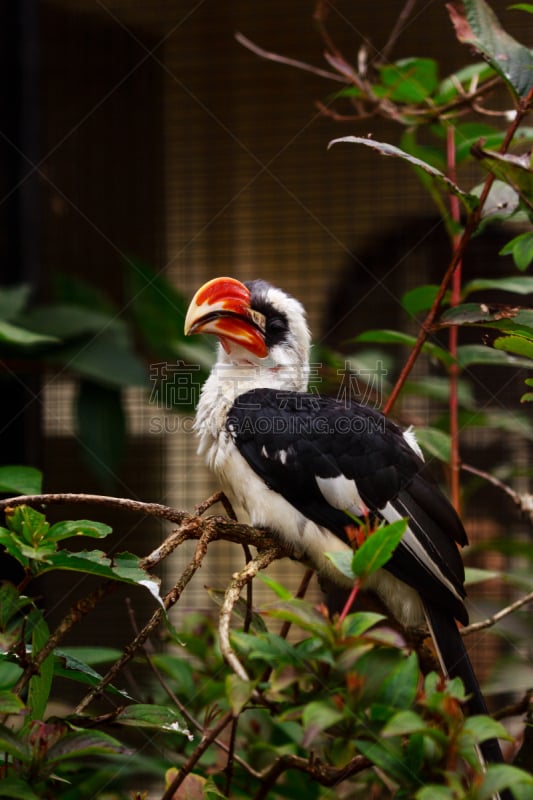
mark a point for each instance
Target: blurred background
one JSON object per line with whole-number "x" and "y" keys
{"x": 142, "y": 139}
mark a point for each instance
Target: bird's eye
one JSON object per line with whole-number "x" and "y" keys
{"x": 276, "y": 325}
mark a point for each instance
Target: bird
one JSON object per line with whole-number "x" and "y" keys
{"x": 304, "y": 465}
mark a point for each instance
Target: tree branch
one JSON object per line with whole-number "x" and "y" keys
{"x": 499, "y": 615}
{"x": 231, "y": 596}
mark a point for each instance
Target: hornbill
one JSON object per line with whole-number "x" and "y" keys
{"x": 303, "y": 465}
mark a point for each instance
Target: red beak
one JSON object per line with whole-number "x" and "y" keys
{"x": 222, "y": 306}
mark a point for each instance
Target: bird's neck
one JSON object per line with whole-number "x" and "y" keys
{"x": 227, "y": 381}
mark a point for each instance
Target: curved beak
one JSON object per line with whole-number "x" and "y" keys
{"x": 222, "y": 307}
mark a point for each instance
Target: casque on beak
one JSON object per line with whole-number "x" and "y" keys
{"x": 222, "y": 307}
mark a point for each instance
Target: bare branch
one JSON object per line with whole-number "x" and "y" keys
{"x": 231, "y": 596}
{"x": 290, "y": 62}
{"x": 524, "y": 501}
{"x": 123, "y": 503}
{"x": 207, "y": 741}
{"x": 157, "y": 617}
{"x": 323, "y": 773}
{"x": 75, "y": 614}
{"x": 499, "y": 615}
{"x": 397, "y": 30}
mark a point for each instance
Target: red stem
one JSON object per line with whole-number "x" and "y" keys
{"x": 455, "y": 460}
{"x": 471, "y": 225}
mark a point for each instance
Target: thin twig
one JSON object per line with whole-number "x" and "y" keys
{"x": 184, "y": 711}
{"x": 232, "y": 594}
{"x": 499, "y": 615}
{"x": 79, "y": 610}
{"x": 524, "y": 501}
{"x": 290, "y": 62}
{"x": 186, "y": 769}
{"x": 155, "y": 620}
{"x": 124, "y": 503}
{"x": 515, "y": 709}
{"x": 397, "y": 30}
{"x": 321, "y": 772}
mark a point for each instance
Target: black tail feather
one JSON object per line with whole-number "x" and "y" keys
{"x": 456, "y": 664}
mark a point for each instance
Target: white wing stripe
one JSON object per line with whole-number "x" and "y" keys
{"x": 415, "y": 547}
{"x": 342, "y": 493}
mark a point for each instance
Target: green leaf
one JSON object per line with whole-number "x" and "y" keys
{"x": 16, "y": 746}
{"x": 40, "y": 684}
{"x": 13, "y": 546}
{"x": 11, "y": 604}
{"x": 122, "y": 567}
{"x": 438, "y": 388}
{"x": 439, "y": 179}
{"x": 90, "y": 655}
{"x": 17, "y": 788}
{"x": 68, "y": 321}
{"x": 387, "y": 754}
{"x": 78, "y": 527}
{"x": 355, "y": 625}
{"x": 476, "y": 25}
{"x": 435, "y": 443}
{"x": 104, "y": 359}
{"x": 70, "y": 290}
{"x": 502, "y": 776}
{"x": 482, "y": 727}
{"x": 85, "y": 743}
{"x": 342, "y": 560}
{"x": 164, "y": 718}
{"x": 502, "y": 204}
{"x": 521, "y": 249}
{"x": 403, "y": 723}
{"x": 13, "y": 300}
{"x": 318, "y": 716}
{"x": 399, "y": 688}
{"x": 159, "y": 310}
{"x": 238, "y": 692}
{"x": 430, "y": 154}
{"x": 68, "y": 666}
{"x": 281, "y": 591}
{"x": 397, "y": 337}
{"x": 477, "y": 575}
{"x": 516, "y": 345}
{"x": 302, "y": 614}
{"x": 9, "y": 671}
{"x": 410, "y": 80}
{"x": 517, "y": 285}
{"x": 420, "y": 298}
{"x": 17, "y": 336}
{"x": 20, "y": 480}
{"x": 101, "y": 429}
{"x": 469, "y": 134}
{"x": 378, "y": 548}
{"x": 30, "y": 525}
{"x": 267, "y": 647}
{"x": 10, "y": 703}
{"x": 470, "y": 354}
{"x": 511, "y": 169}
{"x": 435, "y": 792}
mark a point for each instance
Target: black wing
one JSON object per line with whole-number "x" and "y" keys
{"x": 295, "y": 442}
